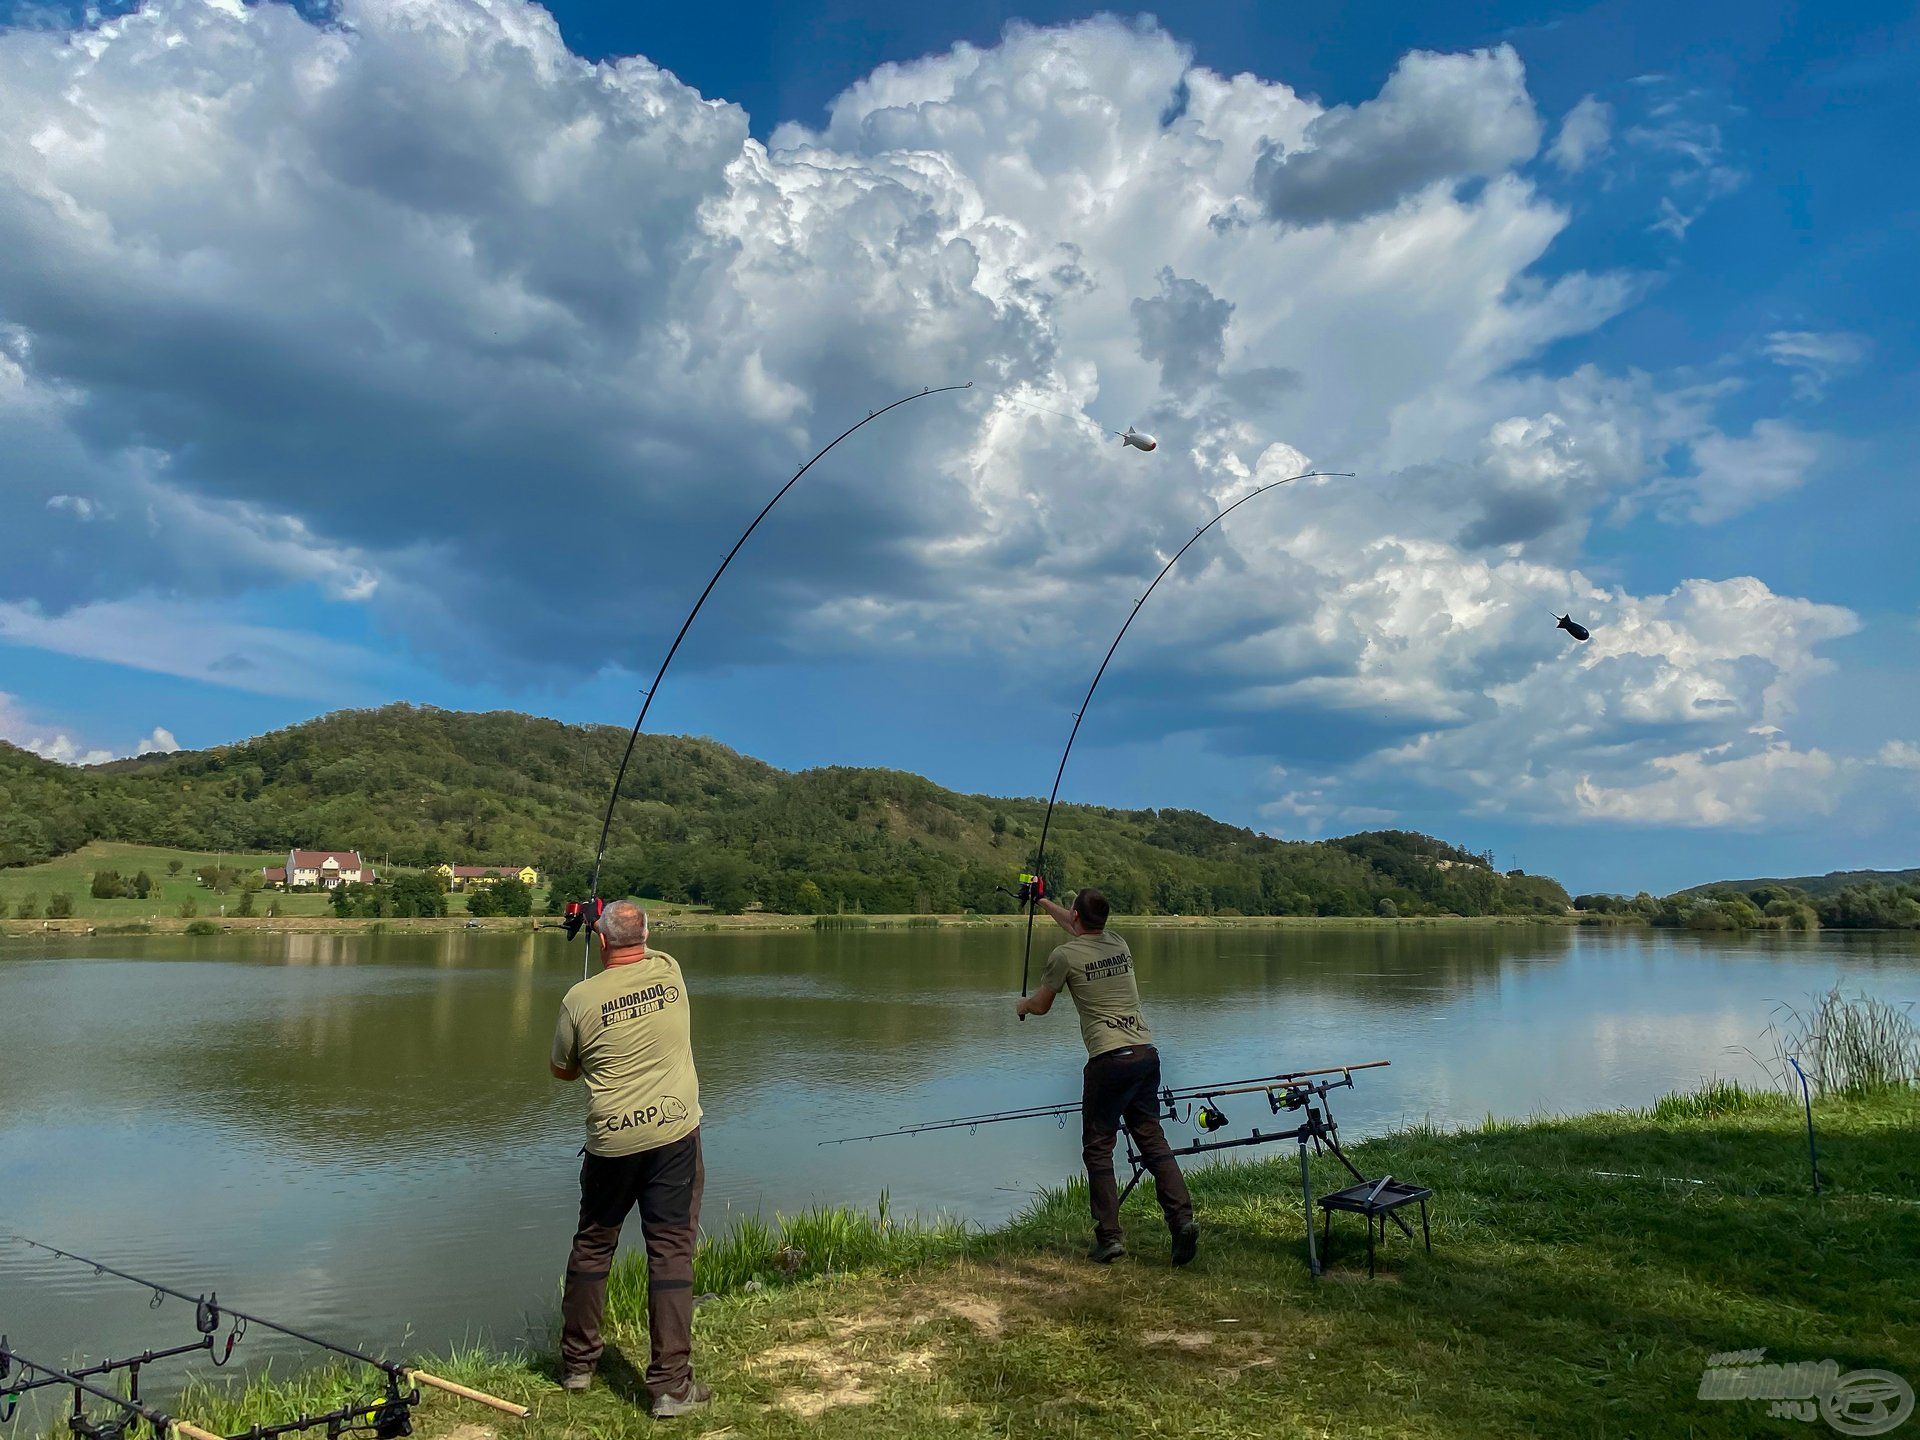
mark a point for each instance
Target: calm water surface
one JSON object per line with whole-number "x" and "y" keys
{"x": 358, "y": 1133}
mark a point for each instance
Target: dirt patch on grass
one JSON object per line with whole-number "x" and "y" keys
{"x": 1180, "y": 1339}
{"x": 985, "y": 1315}
{"x": 837, "y": 1379}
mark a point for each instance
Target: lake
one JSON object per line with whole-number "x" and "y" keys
{"x": 357, "y": 1134}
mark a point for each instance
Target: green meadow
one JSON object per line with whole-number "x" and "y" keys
{"x": 1584, "y": 1270}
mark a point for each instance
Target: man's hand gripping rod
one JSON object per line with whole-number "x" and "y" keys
{"x": 1046, "y": 823}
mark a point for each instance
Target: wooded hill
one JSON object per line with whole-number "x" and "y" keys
{"x": 1819, "y": 886}
{"x": 409, "y": 785}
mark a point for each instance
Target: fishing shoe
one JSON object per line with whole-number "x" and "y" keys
{"x": 1105, "y": 1252}
{"x": 576, "y": 1381}
{"x": 1186, "y": 1244}
{"x": 670, "y": 1407}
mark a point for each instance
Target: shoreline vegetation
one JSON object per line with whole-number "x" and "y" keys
{"x": 1585, "y": 1269}
{"x": 672, "y": 919}
{"x": 668, "y": 921}
{"x": 410, "y": 787}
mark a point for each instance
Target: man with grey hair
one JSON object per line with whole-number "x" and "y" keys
{"x": 625, "y": 1032}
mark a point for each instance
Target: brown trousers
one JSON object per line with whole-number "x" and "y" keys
{"x": 1123, "y": 1086}
{"x": 665, "y": 1184}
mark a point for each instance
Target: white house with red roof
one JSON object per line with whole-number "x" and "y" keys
{"x": 324, "y": 869}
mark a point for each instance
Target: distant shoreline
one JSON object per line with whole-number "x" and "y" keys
{"x": 684, "y": 922}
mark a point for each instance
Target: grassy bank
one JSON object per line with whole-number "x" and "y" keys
{"x": 1583, "y": 1270}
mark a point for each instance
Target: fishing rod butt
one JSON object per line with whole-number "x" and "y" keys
{"x": 478, "y": 1397}
{"x": 190, "y": 1431}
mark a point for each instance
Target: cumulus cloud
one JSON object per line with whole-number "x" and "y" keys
{"x": 160, "y": 742}
{"x": 1439, "y": 118}
{"x": 1183, "y": 329}
{"x": 1716, "y": 787}
{"x": 399, "y": 308}
{"x": 1585, "y": 135}
{"x": 17, "y": 728}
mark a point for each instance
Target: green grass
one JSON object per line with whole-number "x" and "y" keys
{"x": 73, "y": 875}
{"x": 1583, "y": 1270}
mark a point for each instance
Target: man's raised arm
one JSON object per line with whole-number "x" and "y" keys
{"x": 1062, "y": 916}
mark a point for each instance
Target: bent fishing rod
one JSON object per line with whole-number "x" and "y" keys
{"x": 208, "y": 1309}
{"x": 1037, "y": 887}
{"x": 1167, "y": 1098}
{"x": 579, "y": 914}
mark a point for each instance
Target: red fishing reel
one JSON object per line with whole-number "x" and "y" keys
{"x": 583, "y": 913}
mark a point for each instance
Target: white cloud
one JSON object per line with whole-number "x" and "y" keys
{"x": 1899, "y": 755}
{"x": 1678, "y": 138}
{"x": 1735, "y": 473}
{"x": 160, "y": 742}
{"x": 17, "y": 728}
{"x": 1715, "y": 787}
{"x": 1439, "y": 118}
{"x": 420, "y": 310}
{"x": 1816, "y": 357}
{"x": 196, "y": 641}
{"x": 1585, "y": 135}
{"x": 78, "y": 506}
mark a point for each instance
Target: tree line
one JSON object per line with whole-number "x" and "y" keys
{"x": 414, "y": 787}
{"x": 1870, "y": 905}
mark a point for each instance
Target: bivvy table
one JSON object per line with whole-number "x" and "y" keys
{"x": 1375, "y": 1198}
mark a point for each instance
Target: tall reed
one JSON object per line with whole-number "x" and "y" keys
{"x": 1846, "y": 1045}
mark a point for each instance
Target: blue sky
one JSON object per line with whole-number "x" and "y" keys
{"x": 434, "y": 351}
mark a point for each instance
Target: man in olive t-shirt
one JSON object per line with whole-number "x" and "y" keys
{"x": 1122, "y": 1081}
{"x": 625, "y": 1032}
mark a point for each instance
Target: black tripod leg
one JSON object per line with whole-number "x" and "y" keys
{"x": 1306, "y": 1204}
{"x": 1139, "y": 1166}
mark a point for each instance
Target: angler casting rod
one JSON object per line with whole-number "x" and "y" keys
{"x": 1040, "y": 855}
{"x": 606, "y": 824}
{"x": 391, "y": 1368}
{"x": 1165, "y": 1097}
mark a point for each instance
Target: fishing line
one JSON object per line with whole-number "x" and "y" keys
{"x": 583, "y": 915}
{"x": 1040, "y": 855}
{"x": 1046, "y": 410}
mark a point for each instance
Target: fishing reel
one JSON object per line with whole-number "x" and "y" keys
{"x": 1210, "y": 1117}
{"x": 583, "y": 913}
{"x": 1033, "y": 889}
{"x": 392, "y": 1420}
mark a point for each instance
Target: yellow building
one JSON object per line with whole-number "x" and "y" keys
{"x": 459, "y": 877}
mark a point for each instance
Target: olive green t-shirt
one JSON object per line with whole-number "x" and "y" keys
{"x": 626, "y": 1030}
{"x": 1097, "y": 971}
